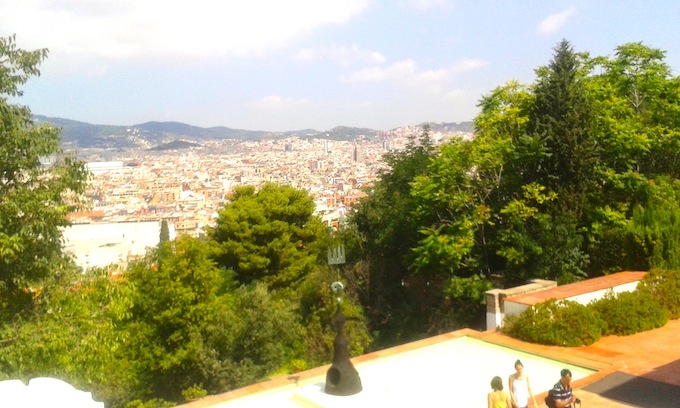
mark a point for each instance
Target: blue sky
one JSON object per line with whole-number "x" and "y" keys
{"x": 294, "y": 64}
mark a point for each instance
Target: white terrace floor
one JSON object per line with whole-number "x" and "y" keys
{"x": 454, "y": 369}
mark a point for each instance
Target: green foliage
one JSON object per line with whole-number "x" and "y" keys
{"x": 560, "y": 120}
{"x": 656, "y": 228}
{"x": 557, "y": 323}
{"x": 189, "y": 331}
{"x": 175, "y": 299}
{"x": 536, "y": 244}
{"x": 464, "y": 302}
{"x": 629, "y": 313}
{"x": 664, "y": 287}
{"x": 382, "y": 232}
{"x": 165, "y": 231}
{"x": 75, "y": 334}
{"x": 152, "y": 403}
{"x": 574, "y": 174}
{"x": 561, "y": 322}
{"x": 269, "y": 235}
{"x": 451, "y": 201}
{"x": 317, "y": 306}
{"x": 35, "y": 197}
{"x": 254, "y": 335}
{"x": 558, "y": 177}
{"x": 194, "y": 392}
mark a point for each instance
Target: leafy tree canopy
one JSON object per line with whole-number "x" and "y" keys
{"x": 39, "y": 183}
{"x": 269, "y": 234}
{"x": 563, "y": 180}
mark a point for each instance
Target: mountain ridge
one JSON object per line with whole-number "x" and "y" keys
{"x": 154, "y": 133}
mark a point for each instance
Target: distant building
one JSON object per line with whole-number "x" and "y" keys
{"x": 316, "y": 165}
{"x": 101, "y": 244}
{"x": 103, "y": 167}
{"x": 358, "y": 155}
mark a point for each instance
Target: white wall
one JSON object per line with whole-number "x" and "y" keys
{"x": 510, "y": 308}
{"x": 586, "y": 298}
{"x": 101, "y": 244}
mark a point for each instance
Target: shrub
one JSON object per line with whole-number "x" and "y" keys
{"x": 556, "y": 322}
{"x": 630, "y": 312}
{"x": 664, "y": 286}
{"x": 194, "y": 392}
{"x": 152, "y": 403}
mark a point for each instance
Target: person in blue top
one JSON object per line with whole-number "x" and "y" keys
{"x": 561, "y": 394}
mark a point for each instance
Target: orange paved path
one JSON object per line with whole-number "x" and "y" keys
{"x": 648, "y": 354}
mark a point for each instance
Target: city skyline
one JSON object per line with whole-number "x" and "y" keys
{"x": 280, "y": 66}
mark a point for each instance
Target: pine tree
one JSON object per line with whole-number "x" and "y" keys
{"x": 561, "y": 121}
{"x": 165, "y": 231}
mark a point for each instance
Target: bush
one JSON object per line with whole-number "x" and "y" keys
{"x": 152, "y": 403}
{"x": 630, "y": 312}
{"x": 194, "y": 392}
{"x": 557, "y": 323}
{"x": 664, "y": 286}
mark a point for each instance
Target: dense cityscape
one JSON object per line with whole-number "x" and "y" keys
{"x": 187, "y": 187}
{"x": 303, "y": 204}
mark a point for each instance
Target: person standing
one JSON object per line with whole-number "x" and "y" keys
{"x": 520, "y": 387}
{"x": 498, "y": 398}
{"x": 561, "y": 394}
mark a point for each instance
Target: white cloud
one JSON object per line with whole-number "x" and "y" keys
{"x": 407, "y": 71}
{"x": 456, "y": 94}
{"x": 135, "y": 29}
{"x": 427, "y": 4}
{"x": 468, "y": 65}
{"x": 306, "y": 54}
{"x": 554, "y": 22}
{"x": 398, "y": 71}
{"x": 342, "y": 55}
{"x": 276, "y": 101}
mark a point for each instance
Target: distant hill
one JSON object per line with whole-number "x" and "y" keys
{"x": 161, "y": 135}
{"x": 175, "y": 145}
{"x": 85, "y": 135}
{"x": 451, "y": 127}
{"x": 182, "y": 129}
{"x": 349, "y": 133}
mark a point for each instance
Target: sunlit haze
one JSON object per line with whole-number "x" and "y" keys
{"x": 287, "y": 65}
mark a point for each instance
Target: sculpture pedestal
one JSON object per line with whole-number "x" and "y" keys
{"x": 342, "y": 378}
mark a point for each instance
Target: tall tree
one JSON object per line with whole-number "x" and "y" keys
{"x": 39, "y": 183}
{"x": 165, "y": 231}
{"x": 638, "y": 120}
{"x": 175, "y": 303}
{"x": 559, "y": 154}
{"x": 388, "y": 229}
{"x": 270, "y": 235}
{"x": 561, "y": 120}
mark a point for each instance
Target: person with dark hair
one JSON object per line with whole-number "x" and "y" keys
{"x": 561, "y": 396}
{"x": 520, "y": 388}
{"x": 498, "y": 398}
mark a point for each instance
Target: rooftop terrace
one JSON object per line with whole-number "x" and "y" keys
{"x": 454, "y": 369}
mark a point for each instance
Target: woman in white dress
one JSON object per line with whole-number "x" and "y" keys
{"x": 520, "y": 388}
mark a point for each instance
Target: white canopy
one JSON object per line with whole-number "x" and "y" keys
{"x": 44, "y": 392}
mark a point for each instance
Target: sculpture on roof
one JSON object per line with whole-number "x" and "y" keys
{"x": 342, "y": 378}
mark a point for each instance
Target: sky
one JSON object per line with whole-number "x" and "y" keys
{"x": 280, "y": 65}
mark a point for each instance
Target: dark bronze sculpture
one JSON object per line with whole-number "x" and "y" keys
{"x": 342, "y": 378}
